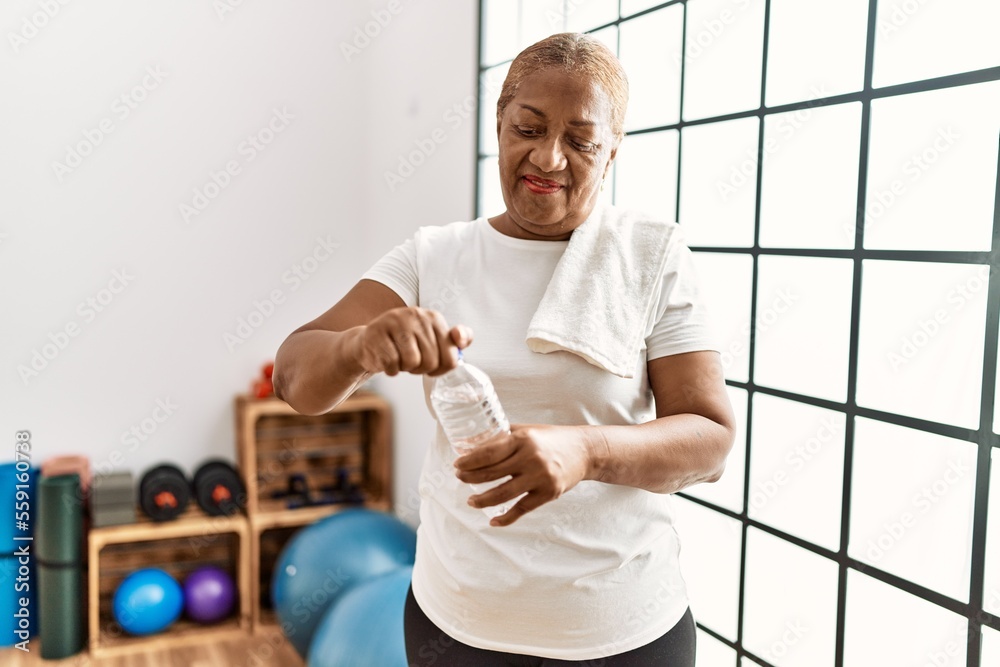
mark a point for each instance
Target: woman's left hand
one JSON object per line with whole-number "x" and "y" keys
{"x": 543, "y": 461}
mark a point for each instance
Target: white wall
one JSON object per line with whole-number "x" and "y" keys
{"x": 222, "y": 70}
{"x": 423, "y": 113}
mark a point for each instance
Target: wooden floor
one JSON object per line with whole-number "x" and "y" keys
{"x": 256, "y": 651}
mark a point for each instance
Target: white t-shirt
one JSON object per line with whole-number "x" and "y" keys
{"x": 595, "y": 572}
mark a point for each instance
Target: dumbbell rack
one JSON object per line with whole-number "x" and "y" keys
{"x": 274, "y": 441}
{"x": 357, "y": 431}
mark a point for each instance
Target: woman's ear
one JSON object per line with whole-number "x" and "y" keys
{"x": 611, "y": 161}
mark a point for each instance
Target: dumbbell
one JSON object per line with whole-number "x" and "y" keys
{"x": 218, "y": 488}
{"x": 297, "y": 494}
{"x": 164, "y": 492}
{"x": 344, "y": 490}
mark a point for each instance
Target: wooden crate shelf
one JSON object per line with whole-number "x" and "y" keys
{"x": 274, "y": 441}
{"x": 178, "y": 546}
{"x": 181, "y": 633}
{"x": 191, "y": 521}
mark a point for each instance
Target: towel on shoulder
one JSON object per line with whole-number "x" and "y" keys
{"x": 604, "y": 288}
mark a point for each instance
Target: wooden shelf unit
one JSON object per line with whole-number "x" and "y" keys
{"x": 178, "y": 546}
{"x": 274, "y": 441}
{"x": 355, "y": 435}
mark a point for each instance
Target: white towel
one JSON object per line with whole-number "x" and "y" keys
{"x": 604, "y": 288}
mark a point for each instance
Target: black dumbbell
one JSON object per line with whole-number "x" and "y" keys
{"x": 164, "y": 492}
{"x": 298, "y": 494}
{"x": 218, "y": 488}
{"x": 344, "y": 490}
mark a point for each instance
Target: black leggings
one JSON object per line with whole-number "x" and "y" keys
{"x": 428, "y": 646}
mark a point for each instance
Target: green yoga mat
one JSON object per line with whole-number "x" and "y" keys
{"x": 58, "y": 529}
{"x": 58, "y": 533}
{"x": 60, "y": 617}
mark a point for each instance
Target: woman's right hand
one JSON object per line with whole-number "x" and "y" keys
{"x": 410, "y": 339}
{"x": 370, "y": 330}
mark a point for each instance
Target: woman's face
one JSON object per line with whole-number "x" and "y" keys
{"x": 556, "y": 146}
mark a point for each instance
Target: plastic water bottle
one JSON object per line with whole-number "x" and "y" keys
{"x": 470, "y": 414}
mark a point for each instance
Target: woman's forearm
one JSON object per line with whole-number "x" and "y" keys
{"x": 314, "y": 370}
{"x": 369, "y": 331}
{"x": 665, "y": 455}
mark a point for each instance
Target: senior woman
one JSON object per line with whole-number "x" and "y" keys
{"x": 583, "y": 569}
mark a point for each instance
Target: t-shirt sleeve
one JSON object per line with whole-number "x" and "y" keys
{"x": 397, "y": 270}
{"x": 684, "y": 322}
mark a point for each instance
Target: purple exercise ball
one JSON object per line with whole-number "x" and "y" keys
{"x": 209, "y": 594}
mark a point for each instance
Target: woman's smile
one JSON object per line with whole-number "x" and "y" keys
{"x": 541, "y": 186}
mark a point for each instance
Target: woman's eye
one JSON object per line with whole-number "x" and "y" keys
{"x": 585, "y": 147}
{"x": 528, "y": 131}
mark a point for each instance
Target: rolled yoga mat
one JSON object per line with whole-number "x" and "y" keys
{"x": 12, "y": 589}
{"x": 60, "y": 625}
{"x": 58, "y": 548}
{"x": 69, "y": 464}
{"x": 59, "y": 528}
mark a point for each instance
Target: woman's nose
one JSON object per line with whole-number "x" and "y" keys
{"x": 548, "y": 155}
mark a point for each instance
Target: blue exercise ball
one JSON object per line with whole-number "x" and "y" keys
{"x": 324, "y": 560}
{"x": 147, "y": 601}
{"x": 365, "y": 626}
